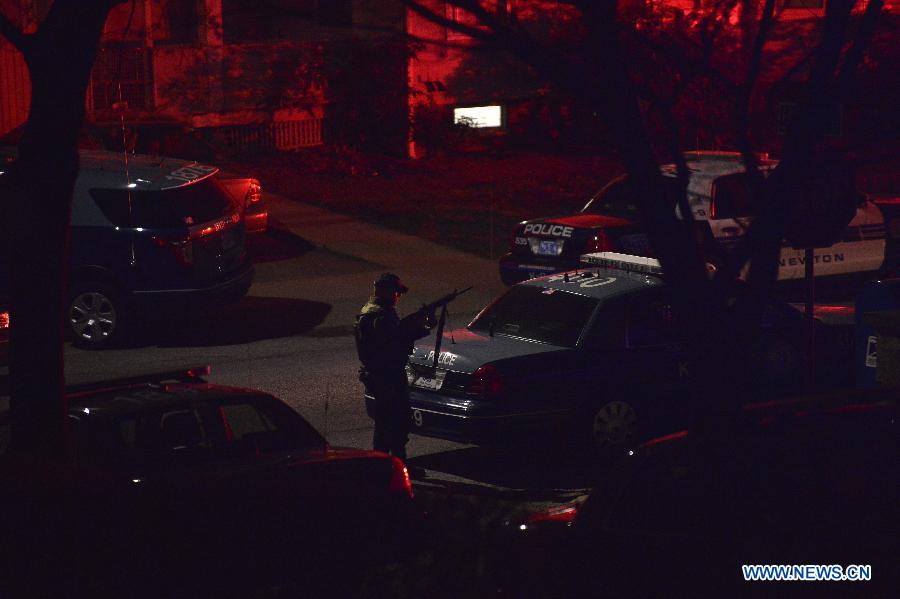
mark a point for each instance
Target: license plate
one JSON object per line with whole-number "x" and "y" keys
{"x": 433, "y": 384}
{"x": 548, "y": 248}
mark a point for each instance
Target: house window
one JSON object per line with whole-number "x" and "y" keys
{"x": 804, "y": 3}
{"x": 478, "y": 117}
{"x": 119, "y": 64}
{"x": 181, "y": 20}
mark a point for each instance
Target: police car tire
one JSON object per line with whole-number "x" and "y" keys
{"x": 96, "y": 316}
{"x": 613, "y": 425}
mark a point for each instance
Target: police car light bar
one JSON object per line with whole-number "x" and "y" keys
{"x": 625, "y": 262}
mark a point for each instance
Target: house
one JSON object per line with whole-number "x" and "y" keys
{"x": 239, "y": 74}
{"x": 284, "y": 74}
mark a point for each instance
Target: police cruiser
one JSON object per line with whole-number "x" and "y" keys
{"x": 153, "y": 238}
{"x": 594, "y": 351}
{"x": 610, "y": 222}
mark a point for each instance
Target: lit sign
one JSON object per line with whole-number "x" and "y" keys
{"x": 478, "y": 116}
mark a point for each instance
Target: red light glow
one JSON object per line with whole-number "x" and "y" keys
{"x": 400, "y": 482}
{"x": 254, "y": 192}
{"x": 560, "y": 513}
{"x": 4, "y": 320}
{"x": 666, "y": 439}
{"x": 598, "y": 243}
{"x": 487, "y": 382}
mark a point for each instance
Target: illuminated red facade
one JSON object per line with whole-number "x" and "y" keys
{"x": 369, "y": 74}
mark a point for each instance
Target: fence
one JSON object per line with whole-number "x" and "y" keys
{"x": 281, "y": 135}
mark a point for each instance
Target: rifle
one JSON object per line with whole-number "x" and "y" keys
{"x": 430, "y": 308}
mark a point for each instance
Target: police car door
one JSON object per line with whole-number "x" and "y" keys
{"x": 657, "y": 358}
{"x": 730, "y": 210}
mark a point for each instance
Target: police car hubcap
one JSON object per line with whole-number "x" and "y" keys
{"x": 614, "y": 423}
{"x": 92, "y": 316}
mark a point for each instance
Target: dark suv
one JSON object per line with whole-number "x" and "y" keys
{"x": 158, "y": 236}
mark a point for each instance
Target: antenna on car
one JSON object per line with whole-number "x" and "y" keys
{"x": 121, "y": 107}
{"x": 452, "y": 340}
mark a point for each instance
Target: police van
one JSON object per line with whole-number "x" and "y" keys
{"x": 715, "y": 193}
{"x": 151, "y": 239}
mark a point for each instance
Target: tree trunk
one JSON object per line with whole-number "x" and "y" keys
{"x": 59, "y": 56}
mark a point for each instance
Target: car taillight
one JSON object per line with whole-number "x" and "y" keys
{"x": 400, "y": 482}
{"x": 564, "y": 514}
{"x": 182, "y": 248}
{"x": 487, "y": 382}
{"x": 254, "y": 192}
{"x": 598, "y": 243}
{"x": 4, "y": 320}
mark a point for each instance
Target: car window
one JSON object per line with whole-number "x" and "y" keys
{"x": 179, "y": 429}
{"x": 618, "y": 199}
{"x": 608, "y": 329}
{"x": 243, "y": 419}
{"x": 144, "y": 437}
{"x": 732, "y": 197}
{"x": 540, "y": 314}
{"x": 188, "y": 205}
{"x": 261, "y": 423}
{"x": 650, "y": 322}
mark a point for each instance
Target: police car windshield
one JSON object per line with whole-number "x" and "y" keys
{"x": 539, "y": 314}
{"x": 618, "y": 199}
{"x": 191, "y": 204}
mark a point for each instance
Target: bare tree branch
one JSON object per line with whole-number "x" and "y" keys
{"x": 857, "y": 50}
{"x": 442, "y": 20}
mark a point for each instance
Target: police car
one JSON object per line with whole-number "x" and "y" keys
{"x": 155, "y": 238}
{"x": 593, "y": 350}
{"x": 610, "y": 222}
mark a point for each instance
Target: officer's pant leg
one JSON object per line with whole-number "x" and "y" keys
{"x": 400, "y": 423}
{"x": 381, "y": 438}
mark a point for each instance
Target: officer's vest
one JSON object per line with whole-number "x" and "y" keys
{"x": 364, "y": 352}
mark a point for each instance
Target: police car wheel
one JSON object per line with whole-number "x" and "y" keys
{"x": 94, "y": 315}
{"x": 614, "y": 424}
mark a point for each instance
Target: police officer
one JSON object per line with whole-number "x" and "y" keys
{"x": 384, "y": 342}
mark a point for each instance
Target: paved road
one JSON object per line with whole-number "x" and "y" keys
{"x": 291, "y": 336}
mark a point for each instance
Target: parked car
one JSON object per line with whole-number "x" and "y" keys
{"x": 247, "y": 192}
{"x": 183, "y": 488}
{"x": 158, "y": 238}
{"x": 592, "y": 353}
{"x": 812, "y": 485}
{"x": 610, "y": 222}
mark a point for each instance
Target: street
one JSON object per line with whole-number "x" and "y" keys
{"x": 292, "y": 335}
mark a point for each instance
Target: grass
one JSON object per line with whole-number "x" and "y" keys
{"x": 469, "y": 202}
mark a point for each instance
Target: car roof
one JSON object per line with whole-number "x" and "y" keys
{"x": 107, "y": 170}
{"x": 596, "y": 282}
{"x": 707, "y": 166}
{"x": 119, "y": 401}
